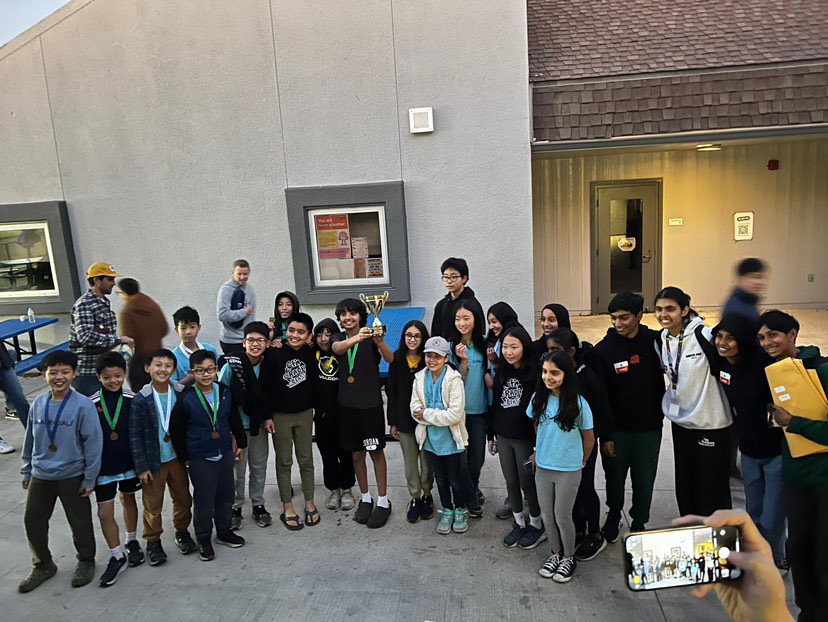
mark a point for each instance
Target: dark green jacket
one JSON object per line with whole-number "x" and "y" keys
{"x": 808, "y": 471}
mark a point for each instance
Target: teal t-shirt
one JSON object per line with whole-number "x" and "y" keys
{"x": 161, "y": 408}
{"x": 439, "y": 440}
{"x": 225, "y": 375}
{"x": 182, "y": 358}
{"x": 556, "y": 450}
{"x": 475, "y": 386}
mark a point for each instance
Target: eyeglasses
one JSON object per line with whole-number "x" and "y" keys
{"x": 256, "y": 340}
{"x": 202, "y": 371}
{"x": 413, "y": 337}
{"x": 451, "y": 278}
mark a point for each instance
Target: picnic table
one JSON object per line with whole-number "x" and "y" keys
{"x": 395, "y": 320}
{"x": 10, "y": 332}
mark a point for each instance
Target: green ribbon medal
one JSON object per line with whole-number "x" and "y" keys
{"x": 352, "y": 352}
{"x": 212, "y": 413}
{"x": 112, "y": 421}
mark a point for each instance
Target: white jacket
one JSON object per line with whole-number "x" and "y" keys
{"x": 701, "y": 401}
{"x": 453, "y": 413}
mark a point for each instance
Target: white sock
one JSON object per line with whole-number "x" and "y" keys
{"x": 130, "y": 536}
{"x": 117, "y": 552}
{"x": 366, "y": 497}
{"x": 535, "y": 521}
{"x": 519, "y": 519}
{"x": 382, "y": 501}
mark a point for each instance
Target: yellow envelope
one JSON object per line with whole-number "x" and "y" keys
{"x": 799, "y": 391}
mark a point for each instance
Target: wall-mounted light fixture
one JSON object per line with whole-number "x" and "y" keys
{"x": 420, "y": 120}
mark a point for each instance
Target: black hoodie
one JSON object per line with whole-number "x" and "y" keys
{"x": 540, "y": 345}
{"x": 631, "y": 372}
{"x": 277, "y": 320}
{"x": 747, "y": 390}
{"x": 443, "y": 321}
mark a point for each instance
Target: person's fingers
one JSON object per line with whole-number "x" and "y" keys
{"x": 752, "y": 562}
{"x": 687, "y": 520}
{"x": 703, "y": 590}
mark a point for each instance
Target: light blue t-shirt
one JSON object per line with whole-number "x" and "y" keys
{"x": 475, "y": 386}
{"x": 556, "y": 450}
{"x": 208, "y": 397}
{"x": 182, "y": 368}
{"x": 439, "y": 440}
{"x": 225, "y": 376}
{"x": 108, "y": 479}
{"x": 167, "y": 451}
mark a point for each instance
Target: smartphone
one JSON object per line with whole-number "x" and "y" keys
{"x": 676, "y": 557}
{"x": 529, "y": 467}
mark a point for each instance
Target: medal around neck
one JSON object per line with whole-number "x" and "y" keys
{"x": 375, "y": 305}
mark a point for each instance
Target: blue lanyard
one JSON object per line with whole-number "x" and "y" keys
{"x": 674, "y": 371}
{"x": 51, "y": 429}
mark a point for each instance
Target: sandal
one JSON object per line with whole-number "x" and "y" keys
{"x": 310, "y": 514}
{"x": 292, "y": 522}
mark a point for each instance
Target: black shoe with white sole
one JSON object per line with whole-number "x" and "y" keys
{"x": 206, "y": 552}
{"x": 513, "y": 537}
{"x": 611, "y": 528}
{"x": 185, "y": 542}
{"x": 135, "y": 556}
{"x": 532, "y": 537}
{"x": 230, "y": 539}
{"x": 155, "y": 553}
{"x": 115, "y": 567}
{"x": 593, "y": 544}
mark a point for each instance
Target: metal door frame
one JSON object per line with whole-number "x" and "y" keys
{"x": 594, "y": 187}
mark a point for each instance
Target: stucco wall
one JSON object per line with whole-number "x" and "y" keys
{"x": 178, "y": 124}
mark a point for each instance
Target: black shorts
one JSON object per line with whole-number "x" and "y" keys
{"x": 106, "y": 492}
{"x": 361, "y": 429}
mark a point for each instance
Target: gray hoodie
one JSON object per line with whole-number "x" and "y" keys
{"x": 226, "y": 315}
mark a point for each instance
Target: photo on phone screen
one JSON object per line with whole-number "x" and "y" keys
{"x": 676, "y": 557}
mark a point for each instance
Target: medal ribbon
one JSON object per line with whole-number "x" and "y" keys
{"x": 212, "y": 413}
{"x": 674, "y": 371}
{"x": 165, "y": 414}
{"x": 51, "y": 429}
{"x": 352, "y": 352}
{"x": 114, "y": 421}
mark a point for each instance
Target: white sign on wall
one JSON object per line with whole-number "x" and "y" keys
{"x": 743, "y": 226}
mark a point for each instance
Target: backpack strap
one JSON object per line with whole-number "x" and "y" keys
{"x": 710, "y": 353}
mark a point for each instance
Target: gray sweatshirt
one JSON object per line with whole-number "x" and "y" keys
{"x": 226, "y": 315}
{"x": 78, "y": 439}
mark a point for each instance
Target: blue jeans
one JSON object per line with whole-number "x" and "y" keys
{"x": 10, "y": 385}
{"x": 764, "y": 499}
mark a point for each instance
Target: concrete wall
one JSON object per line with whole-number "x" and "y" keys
{"x": 704, "y": 189}
{"x": 172, "y": 129}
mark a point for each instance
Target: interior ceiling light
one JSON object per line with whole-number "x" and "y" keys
{"x": 709, "y": 147}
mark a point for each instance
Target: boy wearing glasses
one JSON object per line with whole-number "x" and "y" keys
{"x": 241, "y": 375}
{"x": 155, "y": 459}
{"x": 200, "y": 428}
{"x": 455, "y": 273}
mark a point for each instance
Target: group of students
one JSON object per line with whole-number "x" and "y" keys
{"x": 475, "y": 381}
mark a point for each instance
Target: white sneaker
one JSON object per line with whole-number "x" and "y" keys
{"x": 5, "y": 448}
{"x": 347, "y": 501}
{"x": 332, "y": 502}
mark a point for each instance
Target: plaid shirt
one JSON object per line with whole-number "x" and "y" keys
{"x": 94, "y": 330}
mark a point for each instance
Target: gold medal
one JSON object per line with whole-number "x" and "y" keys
{"x": 351, "y": 380}
{"x": 52, "y": 447}
{"x": 215, "y": 434}
{"x": 166, "y": 438}
{"x": 113, "y": 436}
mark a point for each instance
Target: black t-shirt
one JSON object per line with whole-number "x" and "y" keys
{"x": 364, "y": 392}
{"x": 116, "y": 457}
{"x": 327, "y": 386}
{"x": 511, "y": 398}
{"x": 294, "y": 373}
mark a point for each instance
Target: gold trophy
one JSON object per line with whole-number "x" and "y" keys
{"x": 375, "y": 304}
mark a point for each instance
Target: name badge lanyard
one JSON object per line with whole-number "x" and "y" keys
{"x": 212, "y": 413}
{"x": 165, "y": 414}
{"x": 674, "y": 371}
{"x": 352, "y": 352}
{"x": 51, "y": 428}
{"x": 112, "y": 421}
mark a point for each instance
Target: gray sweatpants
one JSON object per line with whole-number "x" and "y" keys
{"x": 256, "y": 457}
{"x": 519, "y": 483}
{"x": 556, "y": 494}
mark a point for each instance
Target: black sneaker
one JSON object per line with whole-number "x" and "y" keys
{"x": 611, "y": 528}
{"x": 262, "y": 516}
{"x": 475, "y": 512}
{"x": 185, "y": 542}
{"x": 155, "y": 553}
{"x": 427, "y": 507}
{"x": 593, "y": 544}
{"x": 412, "y": 514}
{"x": 236, "y": 520}
{"x": 565, "y": 570}
{"x": 206, "y": 552}
{"x": 230, "y": 539}
{"x": 135, "y": 556}
{"x": 115, "y": 567}
{"x": 363, "y": 512}
{"x": 504, "y": 511}
{"x": 579, "y": 538}
{"x": 481, "y": 499}
{"x": 513, "y": 536}
{"x": 379, "y": 517}
{"x": 637, "y": 527}
{"x": 532, "y": 537}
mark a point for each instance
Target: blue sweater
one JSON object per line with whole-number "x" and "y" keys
{"x": 78, "y": 440}
{"x": 190, "y": 426}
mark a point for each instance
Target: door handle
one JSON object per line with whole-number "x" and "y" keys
{"x": 646, "y": 257}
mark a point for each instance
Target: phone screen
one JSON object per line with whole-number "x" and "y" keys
{"x": 675, "y": 557}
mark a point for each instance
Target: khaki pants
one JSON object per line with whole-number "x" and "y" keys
{"x": 40, "y": 503}
{"x": 174, "y": 476}
{"x": 419, "y": 474}
{"x": 294, "y": 431}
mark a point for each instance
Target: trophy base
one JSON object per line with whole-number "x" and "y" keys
{"x": 378, "y": 331}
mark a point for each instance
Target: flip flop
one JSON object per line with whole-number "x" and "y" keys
{"x": 309, "y": 515}
{"x": 293, "y": 518}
